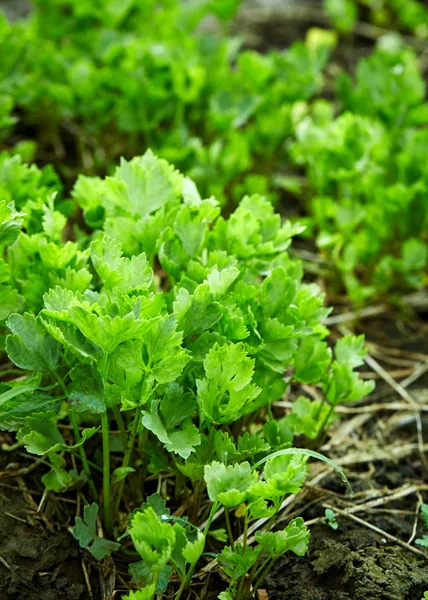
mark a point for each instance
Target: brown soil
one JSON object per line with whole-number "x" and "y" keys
{"x": 39, "y": 559}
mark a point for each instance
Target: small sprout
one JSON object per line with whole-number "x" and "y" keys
{"x": 330, "y": 519}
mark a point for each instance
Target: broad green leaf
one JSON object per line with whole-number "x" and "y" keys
{"x": 16, "y": 408}
{"x": 312, "y": 360}
{"x": 118, "y": 272}
{"x": 30, "y": 346}
{"x": 11, "y": 222}
{"x": 146, "y": 593}
{"x": 57, "y": 479}
{"x": 278, "y": 292}
{"x": 109, "y": 332}
{"x": 163, "y": 345}
{"x": 142, "y": 576}
{"x": 176, "y": 406}
{"x": 41, "y": 437}
{"x": 191, "y": 224}
{"x": 193, "y": 550}
{"x": 344, "y": 385}
{"x": 283, "y": 475}
{"x": 87, "y": 390}
{"x": 181, "y": 440}
{"x": 220, "y": 281}
{"x": 197, "y": 312}
{"x": 350, "y": 351}
{"x": 142, "y": 185}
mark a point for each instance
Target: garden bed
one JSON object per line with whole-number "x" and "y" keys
{"x": 368, "y": 551}
{"x": 378, "y": 448}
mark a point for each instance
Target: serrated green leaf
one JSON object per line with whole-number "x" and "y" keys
{"x": 294, "y": 537}
{"x": 227, "y": 387}
{"x": 22, "y": 405}
{"x": 30, "y": 346}
{"x": 153, "y": 540}
{"x": 228, "y": 484}
{"x": 312, "y": 360}
{"x": 197, "y": 312}
{"x": 238, "y": 562}
{"x": 87, "y": 390}
{"x": 350, "y": 351}
{"x": 192, "y": 552}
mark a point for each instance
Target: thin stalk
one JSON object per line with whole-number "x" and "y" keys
{"x": 317, "y": 416}
{"x": 266, "y": 567}
{"x": 185, "y": 582}
{"x": 83, "y": 458}
{"x": 324, "y": 423}
{"x": 213, "y": 511}
{"x": 229, "y": 528}
{"x": 244, "y": 547}
{"x": 127, "y": 456}
{"x": 78, "y": 438}
{"x": 119, "y": 420}
{"x": 256, "y": 568}
{"x": 262, "y": 567}
{"x": 108, "y": 518}
{"x": 245, "y": 535}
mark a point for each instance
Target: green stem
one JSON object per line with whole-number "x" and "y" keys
{"x": 185, "y": 582}
{"x": 244, "y": 547}
{"x": 119, "y": 420}
{"x": 213, "y": 511}
{"x": 83, "y": 458}
{"x": 317, "y": 416}
{"x": 108, "y": 519}
{"x": 264, "y": 570}
{"x": 245, "y": 536}
{"x": 127, "y": 455}
{"x": 324, "y": 423}
{"x": 78, "y": 438}
{"x": 229, "y": 528}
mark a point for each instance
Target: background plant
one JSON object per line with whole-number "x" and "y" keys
{"x": 107, "y": 83}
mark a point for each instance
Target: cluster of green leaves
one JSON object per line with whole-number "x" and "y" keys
{"x": 368, "y": 174}
{"x": 34, "y": 253}
{"x": 169, "y": 545}
{"x": 408, "y": 16}
{"x": 179, "y": 331}
{"x": 118, "y": 78}
{"x": 114, "y": 80}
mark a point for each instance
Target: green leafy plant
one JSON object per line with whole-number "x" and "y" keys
{"x": 330, "y": 519}
{"x": 189, "y": 327}
{"x": 369, "y": 188}
{"x": 410, "y": 16}
{"x": 145, "y": 75}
